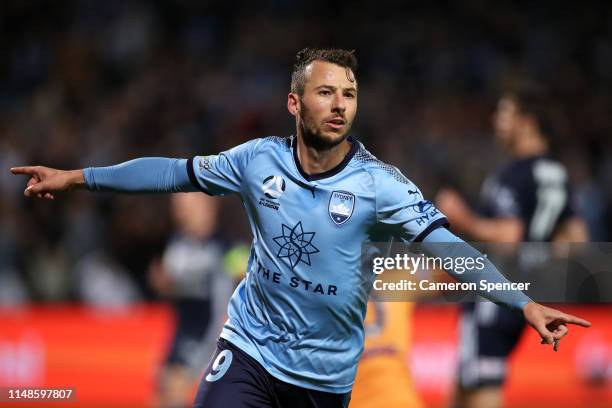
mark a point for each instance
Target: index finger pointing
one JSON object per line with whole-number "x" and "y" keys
{"x": 23, "y": 170}
{"x": 575, "y": 320}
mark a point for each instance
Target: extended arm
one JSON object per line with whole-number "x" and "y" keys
{"x": 551, "y": 324}
{"x": 145, "y": 175}
{"x": 443, "y": 243}
{"x": 498, "y": 229}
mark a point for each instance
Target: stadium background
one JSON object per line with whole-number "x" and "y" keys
{"x": 94, "y": 83}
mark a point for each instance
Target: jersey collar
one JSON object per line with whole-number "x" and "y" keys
{"x": 330, "y": 172}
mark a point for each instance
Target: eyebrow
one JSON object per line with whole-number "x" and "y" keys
{"x": 333, "y": 88}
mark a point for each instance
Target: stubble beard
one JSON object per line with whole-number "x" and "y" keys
{"x": 314, "y": 138}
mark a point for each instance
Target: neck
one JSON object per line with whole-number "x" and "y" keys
{"x": 531, "y": 144}
{"x": 199, "y": 232}
{"x": 315, "y": 161}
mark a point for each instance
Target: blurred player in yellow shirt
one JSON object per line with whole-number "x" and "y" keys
{"x": 383, "y": 377}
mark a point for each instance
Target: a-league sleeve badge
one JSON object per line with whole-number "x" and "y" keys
{"x": 341, "y": 206}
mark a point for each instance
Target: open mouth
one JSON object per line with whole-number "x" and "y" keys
{"x": 335, "y": 123}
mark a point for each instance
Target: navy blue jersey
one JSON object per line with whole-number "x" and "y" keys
{"x": 535, "y": 190}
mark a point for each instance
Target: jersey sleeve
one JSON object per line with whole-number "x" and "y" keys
{"x": 222, "y": 173}
{"x": 401, "y": 207}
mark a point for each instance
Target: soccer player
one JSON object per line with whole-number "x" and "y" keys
{"x": 191, "y": 275}
{"x": 295, "y": 331}
{"x": 527, "y": 200}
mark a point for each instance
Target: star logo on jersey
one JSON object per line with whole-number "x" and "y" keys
{"x": 341, "y": 205}
{"x": 296, "y": 245}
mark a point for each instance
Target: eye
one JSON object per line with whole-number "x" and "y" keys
{"x": 324, "y": 92}
{"x": 349, "y": 95}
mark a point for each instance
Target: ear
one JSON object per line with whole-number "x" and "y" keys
{"x": 293, "y": 104}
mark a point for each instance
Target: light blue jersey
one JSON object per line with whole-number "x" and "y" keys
{"x": 299, "y": 312}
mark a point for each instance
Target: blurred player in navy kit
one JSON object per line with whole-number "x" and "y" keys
{"x": 191, "y": 275}
{"x": 529, "y": 199}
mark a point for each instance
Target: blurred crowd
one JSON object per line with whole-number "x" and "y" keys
{"x": 92, "y": 83}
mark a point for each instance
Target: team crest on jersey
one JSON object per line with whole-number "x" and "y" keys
{"x": 341, "y": 206}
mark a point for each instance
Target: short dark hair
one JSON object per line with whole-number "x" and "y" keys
{"x": 533, "y": 99}
{"x": 341, "y": 57}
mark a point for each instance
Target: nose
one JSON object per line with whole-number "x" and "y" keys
{"x": 339, "y": 103}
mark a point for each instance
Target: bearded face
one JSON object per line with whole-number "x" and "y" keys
{"x": 326, "y": 110}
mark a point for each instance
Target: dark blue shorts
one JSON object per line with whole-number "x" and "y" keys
{"x": 193, "y": 318}
{"x": 488, "y": 335}
{"x": 233, "y": 379}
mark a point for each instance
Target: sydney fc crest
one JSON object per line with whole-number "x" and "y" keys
{"x": 341, "y": 206}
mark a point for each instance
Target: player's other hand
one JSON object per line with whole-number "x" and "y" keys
{"x": 45, "y": 180}
{"x": 550, "y": 323}
{"x": 450, "y": 202}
